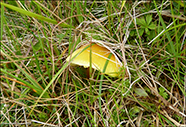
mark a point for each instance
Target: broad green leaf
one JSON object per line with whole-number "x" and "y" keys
{"x": 147, "y": 31}
{"x": 141, "y": 22}
{"x": 140, "y": 92}
{"x": 37, "y": 46}
{"x": 141, "y": 31}
{"x": 148, "y": 19}
{"x": 152, "y": 26}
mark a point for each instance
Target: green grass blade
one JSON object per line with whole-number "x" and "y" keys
{"x": 35, "y": 84}
{"x": 31, "y": 14}
{"x": 164, "y": 26}
{"x": 100, "y": 84}
{"x": 2, "y": 17}
{"x": 37, "y": 90}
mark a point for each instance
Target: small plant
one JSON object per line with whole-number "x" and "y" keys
{"x": 163, "y": 93}
{"x": 145, "y": 25}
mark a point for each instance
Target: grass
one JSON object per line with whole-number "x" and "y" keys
{"x": 39, "y": 88}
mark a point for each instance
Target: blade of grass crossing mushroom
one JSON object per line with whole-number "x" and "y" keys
{"x": 71, "y": 59}
{"x": 90, "y": 72}
{"x": 100, "y": 84}
{"x": 90, "y": 68}
{"x": 107, "y": 47}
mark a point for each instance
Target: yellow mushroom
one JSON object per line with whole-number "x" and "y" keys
{"x": 99, "y": 55}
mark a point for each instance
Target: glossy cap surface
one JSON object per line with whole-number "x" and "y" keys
{"x": 99, "y": 57}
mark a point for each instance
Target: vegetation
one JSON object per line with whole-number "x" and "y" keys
{"x": 39, "y": 88}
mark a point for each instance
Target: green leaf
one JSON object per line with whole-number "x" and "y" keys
{"x": 141, "y": 31}
{"x": 140, "y": 92}
{"x": 31, "y": 14}
{"x": 37, "y": 46}
{"x": 148, "y": 19}
{"x": 132, "y": 33}
{"x": 141, "y": 22}
{"x": 163, "y": 93}
{"x": 147, "y": 31}
{"x": 152, "y": 35}
{"x": 152, "y": 26}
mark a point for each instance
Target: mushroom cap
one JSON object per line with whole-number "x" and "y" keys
{"x": 99, "y": 57}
